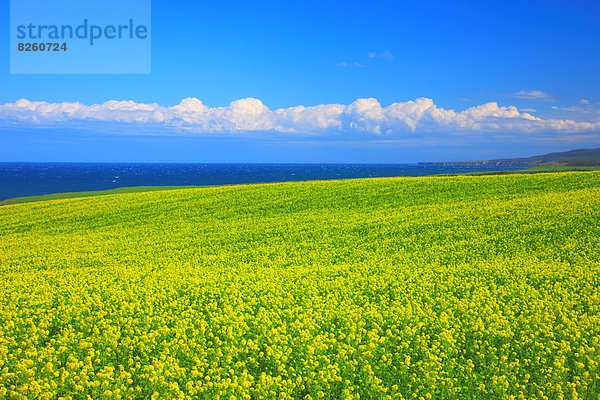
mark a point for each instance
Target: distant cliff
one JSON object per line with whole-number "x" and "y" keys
{"x": 571, "y": 158}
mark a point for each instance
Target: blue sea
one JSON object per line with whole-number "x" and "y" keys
{"x": 30, "y": 179}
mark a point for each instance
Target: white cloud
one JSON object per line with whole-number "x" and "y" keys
{"x": 386, "y": 54}
{"x": 530, "y": 110}
{"x": 576, "y": 109}
{"x": 363, "y": 116}
{"x": 584, "y": 101}
{"x": 533, "y": 95}
{"x": 353, "y": 64}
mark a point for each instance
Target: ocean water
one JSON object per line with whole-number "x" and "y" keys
{"x": 30, "y": 179}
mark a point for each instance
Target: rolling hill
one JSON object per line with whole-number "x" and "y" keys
{"x": 581, "y": 157}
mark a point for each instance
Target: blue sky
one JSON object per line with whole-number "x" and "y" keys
{"x": 536, "y": 61}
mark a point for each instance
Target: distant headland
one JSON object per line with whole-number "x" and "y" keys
{"x": 572, "y": 158}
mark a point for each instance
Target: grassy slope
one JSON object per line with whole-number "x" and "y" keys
{"x": 71, "y": 195}
{"x": 540, "y": 169}
{"x": 561, "y": 168}
{"x": 456, "y": 287}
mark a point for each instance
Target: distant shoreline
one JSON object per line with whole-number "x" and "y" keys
{"x": 572, "y": 158}
{"x": 483, "y": 163}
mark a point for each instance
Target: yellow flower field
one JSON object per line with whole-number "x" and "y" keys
{"x": 464, "y": 287}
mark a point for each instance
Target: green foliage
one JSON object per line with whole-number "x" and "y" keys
{"x": 472, "y": 287}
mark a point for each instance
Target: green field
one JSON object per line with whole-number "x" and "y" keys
{"x": 561, "y": 168}
{"x": 71, "y": 195}
{"x": 461, "y": 287}
{"x": 536, "y": 169}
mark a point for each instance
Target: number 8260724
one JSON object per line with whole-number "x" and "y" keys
{"x": 42, "y": 46}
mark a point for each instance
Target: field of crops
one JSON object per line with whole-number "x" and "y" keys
{"x": 465, "y": 287}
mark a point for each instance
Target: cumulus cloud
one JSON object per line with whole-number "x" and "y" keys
{"x": 537, "y": 95}
{"x": 362, "y": 117}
